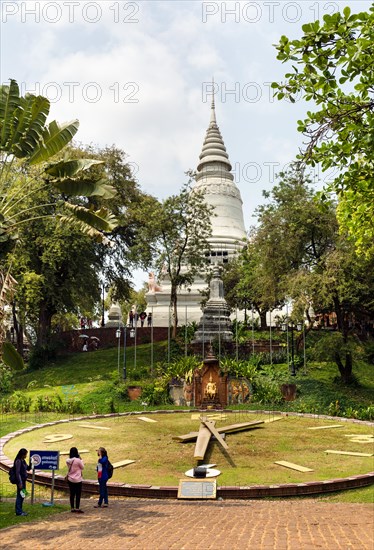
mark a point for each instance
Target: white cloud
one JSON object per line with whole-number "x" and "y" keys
{"x": 159, "y": 55}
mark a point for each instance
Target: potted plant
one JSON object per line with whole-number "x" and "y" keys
{"x": 288, "y": 392}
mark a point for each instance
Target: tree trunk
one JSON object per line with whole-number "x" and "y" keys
{"x": 173, "y": 302}
{"x": 341, "y": 321}
{"x": 263, "y": 323}
{"x": 44, "y": 328}
{"x": 345, "y": 370}
{"x": 18, "y": 329}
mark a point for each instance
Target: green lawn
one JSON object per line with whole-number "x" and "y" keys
{"x": 83, "y": 368}
{"x": 95, "y": 379}
{"x": 252, "y": 453}
{"x": 35, "y": 512}
{"x": 92, "y": 378}
{"x": 161, "y": 460}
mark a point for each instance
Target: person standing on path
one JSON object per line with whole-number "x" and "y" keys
{"x": 102, "y": 476}
{"x": 74, "y": 476}
{"x": 143, "y": 317}
{"x": 21, "y": 476}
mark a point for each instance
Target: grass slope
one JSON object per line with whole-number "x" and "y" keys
{"x": 95, "y": 378}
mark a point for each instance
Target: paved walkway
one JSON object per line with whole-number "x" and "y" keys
{"x": 201, "y": 525}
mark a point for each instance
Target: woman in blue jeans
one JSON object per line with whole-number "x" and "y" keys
{"x": 102, "y": 476}
{"x": 21, "y": 476}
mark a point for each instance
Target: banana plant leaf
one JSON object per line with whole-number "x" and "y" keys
{"x": 55, "y": 137}
{"x": 69, "y": 168}
{"x": 87, "y": 188}
{"x": 11, "y": 357}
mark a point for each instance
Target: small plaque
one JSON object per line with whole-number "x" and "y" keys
{"x": 197, "y": 489}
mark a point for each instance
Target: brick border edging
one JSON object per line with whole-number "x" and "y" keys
{"x": 228, "y": 492}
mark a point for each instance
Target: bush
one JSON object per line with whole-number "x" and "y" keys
{"x": 277, "y": 357}
{"x": 55, "y": 403}
{"x": 120, "y": 391}
{"x": 266, "y": 390}
{"x": 239, "y": 369}
{"x": 45, "y": 403}
{"x": 156, "y": 393}
{"x": 137, "y": 374}
{"x": 5, "y": 406}
{"x": 6, "y": 379}
{"x": 366, "y": 413}
{"x": 111, "y": 405}
{"x": 72, "y": 406}
{"x": 186, "y": 333}
{"x": 19, "y": 402}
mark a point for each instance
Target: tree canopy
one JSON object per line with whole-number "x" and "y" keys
{"x": 332, "y": 66}
{"x": 59, "y": 269}
{"x": 179, "y": 228}
{"x": 29, "y": 165}
{"x": 27, "y": 141}
{"x": 296, "y": 253}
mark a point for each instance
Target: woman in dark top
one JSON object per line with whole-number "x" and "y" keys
{"x": 21, "y": 476}
{"x": 102, "y": 475}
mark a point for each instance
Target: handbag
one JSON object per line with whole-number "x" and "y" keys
{"x": 67, "y": 475}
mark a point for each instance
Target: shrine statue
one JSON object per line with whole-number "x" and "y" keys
{"x": 211, "y": 388}
{"x": 152, "y": 285}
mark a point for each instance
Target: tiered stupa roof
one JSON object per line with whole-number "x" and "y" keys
{"x": 214, "y": 150}
{"x": 216, "y": 181}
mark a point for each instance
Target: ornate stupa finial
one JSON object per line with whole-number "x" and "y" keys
{"x": 213, "y": 107}
{"x": 214, "y": 150}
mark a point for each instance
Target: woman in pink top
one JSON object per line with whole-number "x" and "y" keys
{"x": 75, "y": 467}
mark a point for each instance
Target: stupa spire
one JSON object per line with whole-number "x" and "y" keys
{"x": 213, "y": 107}
{"x": 213, "y": 155}
{"x": 215, "y": 180}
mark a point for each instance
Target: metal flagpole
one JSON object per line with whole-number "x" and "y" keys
{"x": 136, "y": 328}
{"x": 152, "y": 341}
{"x": 169, "y": 336}
{"x": 203, "y": 337}
{"x": 124, "y": 350}
{"x": 185, "y": 334}
{"x": 253, "y": 333}
{"x": 271, "y": 346}
{"x": 304, "y": 348}
{"x": 237, "y": 349}
{"x": 288, "y": 343}
{"x": 219, "y": 335}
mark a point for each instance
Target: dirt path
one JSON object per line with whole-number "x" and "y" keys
{"x": 181, "y": 525}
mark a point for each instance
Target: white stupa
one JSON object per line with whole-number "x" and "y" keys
{"x": 215, "y": 180}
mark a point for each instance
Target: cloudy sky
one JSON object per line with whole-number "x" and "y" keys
{"x": 137, "y": 75}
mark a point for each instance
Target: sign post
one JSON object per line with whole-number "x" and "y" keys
{"x": 44, "y": 460}
{"x": 32, "y": 484}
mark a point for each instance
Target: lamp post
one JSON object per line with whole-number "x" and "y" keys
{"x": 104, "y": 288}
{"x": 289, "y": 324}
{"x": 103, "y": 306}
{"x": 118, "y": 336}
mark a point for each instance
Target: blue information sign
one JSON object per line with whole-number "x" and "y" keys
{"x": 45, "y": 460}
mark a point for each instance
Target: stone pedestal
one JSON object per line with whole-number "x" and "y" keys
{"x": 215, "y": 323}
{"x": 114, "y": 316}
